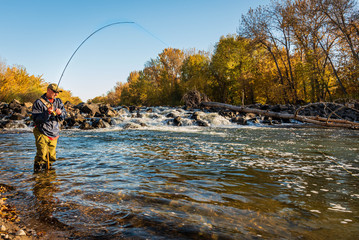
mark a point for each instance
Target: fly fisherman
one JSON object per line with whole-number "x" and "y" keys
{"x": 47, "y": 111}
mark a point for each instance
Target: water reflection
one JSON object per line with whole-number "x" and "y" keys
{"x": 44, "y": 190}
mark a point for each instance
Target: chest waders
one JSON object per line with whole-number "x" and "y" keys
{"x": 47, "y": 105}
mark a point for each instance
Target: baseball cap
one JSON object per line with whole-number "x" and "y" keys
{"x": 54, "y": 88}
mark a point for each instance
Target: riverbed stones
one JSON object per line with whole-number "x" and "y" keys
{"x": 21, "y": 233}
{"x": 3, "y": 228}
{"x": 87, "y": 115}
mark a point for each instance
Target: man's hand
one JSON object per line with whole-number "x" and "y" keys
{"x": 50, "y": 109}
{"x": 58, "y": 111}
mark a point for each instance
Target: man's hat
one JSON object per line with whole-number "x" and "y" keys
{"x": 54, "y": 88}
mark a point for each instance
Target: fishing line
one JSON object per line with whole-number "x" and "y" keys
{"x": 144, "y": 29}
{"x": 101, "y": 28}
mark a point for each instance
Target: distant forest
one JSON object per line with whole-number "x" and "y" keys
{"x": 291, "y": 51}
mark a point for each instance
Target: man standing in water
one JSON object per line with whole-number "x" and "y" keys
{"x": 47, "y": 111}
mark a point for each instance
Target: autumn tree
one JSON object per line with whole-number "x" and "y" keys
{"x": 17, "y": 83}
{"x": 171, "y": 60}
{"x": 308, "y": 40}
{"x": 195, "y": 73}
{"x": 232, "y": 67}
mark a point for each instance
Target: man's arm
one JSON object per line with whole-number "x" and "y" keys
{"x": 40, "y": 114}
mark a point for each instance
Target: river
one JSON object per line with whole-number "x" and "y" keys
{"x": 224, "y": 181}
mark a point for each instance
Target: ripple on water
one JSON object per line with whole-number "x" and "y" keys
{"x": 194, "y": 183}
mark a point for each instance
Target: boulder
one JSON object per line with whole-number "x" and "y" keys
{"x": 14, "y": 104}
{"x": 111, "y": 113}
{"x": 267, "y": 120}
{"x": 91, "y": 109}
{"x": 133, "y": 109}
{"x": 6, "y": 111}
{"x": 177, "y": 121}
{"x": 28, "y": 105}
{"x": 139, "y": 115}
{"x": 86, "y": 126}
{"x": 108, "y": 120}
{"x": 13, "y": 124}
{"x": 227, "y": 113}
{"x": 123, "y": 111}
{"x": 239, "y": 120}
{"x": 202, "y": 123}
{"x": 22, "y": 110}
{"x": 171, "y": 115}
{"x": 250, "y": 115}
{"x": 107, "y": 110}
{"x": 99, "y": 123}
{"x": 195, "y": 116}
{"x": 131, "y": 125}
{"x": 17, "y": 116}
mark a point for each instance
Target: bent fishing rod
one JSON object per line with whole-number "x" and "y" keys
{"x": 101, "y": 28}
{"x": 73, "y": 54}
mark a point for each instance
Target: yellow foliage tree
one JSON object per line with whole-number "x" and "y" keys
{"x": 16, "y": 83}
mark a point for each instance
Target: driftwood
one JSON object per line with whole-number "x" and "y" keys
{"x": 327, "y": 122}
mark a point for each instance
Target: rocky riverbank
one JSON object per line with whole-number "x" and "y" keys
{"x": 14, "y": 227}
{"x": 10, "y": 223}
{"x": 93, "y": 116}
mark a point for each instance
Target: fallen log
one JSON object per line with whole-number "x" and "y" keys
{"x": 327, "y": 122}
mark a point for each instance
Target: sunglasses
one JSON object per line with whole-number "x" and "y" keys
{"x": 54, "y": 91}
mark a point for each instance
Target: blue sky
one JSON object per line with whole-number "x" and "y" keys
{"x": 42, "y": 35}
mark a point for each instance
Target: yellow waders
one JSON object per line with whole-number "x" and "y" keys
{"x": 45, "y": 151}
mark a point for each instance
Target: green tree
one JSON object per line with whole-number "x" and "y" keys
{"x": 231, "y": 67}
{"x": 195, "y": 73}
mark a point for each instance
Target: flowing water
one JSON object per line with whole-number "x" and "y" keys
{"x": 164, "y": 182}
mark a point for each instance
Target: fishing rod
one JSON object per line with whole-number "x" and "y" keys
{"x": 73, "y": 54}
{"x": 101, "y": 28}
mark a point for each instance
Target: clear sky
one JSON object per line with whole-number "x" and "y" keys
{"x": 41, "y": 35}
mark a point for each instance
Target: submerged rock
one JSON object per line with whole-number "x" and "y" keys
{"x": 202, "y": 123}
{"x": 239, "y": 120}
{"x": 131, "y": 125}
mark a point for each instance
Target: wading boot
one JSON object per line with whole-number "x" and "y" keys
{"x": 38, "y": 167}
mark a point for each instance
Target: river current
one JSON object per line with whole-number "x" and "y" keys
{"x": 158, "y": 181}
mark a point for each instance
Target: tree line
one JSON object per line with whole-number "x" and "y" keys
{"x": 17, "y": 83}
{"x": 291, "y": 51}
